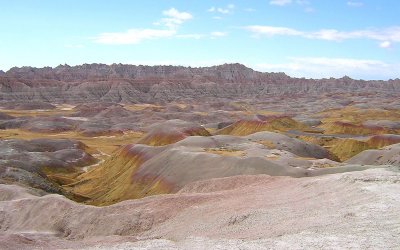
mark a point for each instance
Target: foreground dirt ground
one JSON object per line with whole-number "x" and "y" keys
{"x": 348, "y": 210}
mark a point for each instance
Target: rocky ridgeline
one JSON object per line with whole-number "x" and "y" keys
{"x": 66, "y": 73}
{"x": 132, "y": 84}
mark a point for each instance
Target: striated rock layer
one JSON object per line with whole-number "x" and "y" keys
{"x": 132, "y": 84}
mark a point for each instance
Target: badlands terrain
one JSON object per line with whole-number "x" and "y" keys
{"x": 224, "y": 157}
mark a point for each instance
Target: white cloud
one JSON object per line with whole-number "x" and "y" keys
{"x": 223, "y": 11}
{"x": 212, "y": 35}
{"x": 355, "y": 4}
{"x": 391, "y": 34}
{"x": 227, "y": 10}
{"x": 175, "y": 18}
{"x": 322, "y": 67}
{"x": 216, "y": 34}
{"x": 172, "y": 21}
{"x": 280, "y": 2}
{"x": 191, "y": 36}
{"x": 328, "y": 34}
{"x": 250, "y": 10}
{"x": 133, "y": 36}
{"x": 212, "y": 9}
{"x": 272, "y": 31}
{"x": 385, "y": 44}
{"x": 174, "y": 13}
{"x": 303, "y": 2}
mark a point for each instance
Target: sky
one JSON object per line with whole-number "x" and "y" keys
{"x": 303, "y": 38}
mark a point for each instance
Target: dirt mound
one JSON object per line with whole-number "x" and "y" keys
{"x": 112, "y": 182}
{"x": 177, "y": 167}
{"x": 38, "y": 163}
{"x": 341, "y": 148}
{"x": 293, "y": 145}
{"x": 114, "y": 111}
{"x": 171, "y": 131}
{"x": 347, "y": 148}
{"x": 382, "y": 123}
{"x": 92, "y": 108}
{"x": 49, "y": 124}
{"x": 27, "y": 105}
{"x": 312, "y": 122}
{"x": 178, "y": 108}
{"x": 4, "y": 116}
{"x": 261, "y": 123}
{"x": 140, "y": 170}
{"x": 98, "y": 127}
{"x": 347, "y": 128}
{"x": 389, "y": 155}
{"x": 379, "y": 141}
{"x": 13, "y": 123}
{"x": 112, "y": 120}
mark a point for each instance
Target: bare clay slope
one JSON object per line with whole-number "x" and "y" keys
{"x": 138, "y": 170}
{"x": 358, "y": 210}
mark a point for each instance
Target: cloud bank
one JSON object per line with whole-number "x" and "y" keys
{"x": 172, "y": 20}
{"x": 385, "y": 36}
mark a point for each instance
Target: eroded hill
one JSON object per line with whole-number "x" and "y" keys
{"x": 173, "y": 157}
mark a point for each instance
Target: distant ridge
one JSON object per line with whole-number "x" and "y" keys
{"x": 131, "y": 84}
{"x": 226, "y": 72}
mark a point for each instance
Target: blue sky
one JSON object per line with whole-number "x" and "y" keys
{"x": 310, "y": 38}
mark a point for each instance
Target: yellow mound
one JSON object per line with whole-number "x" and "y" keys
{"x": 343, "y": 149}
{"x": 106, "y": 144}
{"x": 164, "y": 138}
{"x": 350, "y": 129}
{"x": 357, "y": 116}
{"x": 247, "y": 127}
{"x": 347, "y": 148}
{"x": 113, "y": 181}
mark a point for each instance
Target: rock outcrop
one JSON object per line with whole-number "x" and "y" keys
{"x": 131, "y": 84}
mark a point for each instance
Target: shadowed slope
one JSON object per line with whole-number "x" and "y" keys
{"x": 342, "y": 148}
{"x": 111, "y": 182}
{"x": 4, "y": 116}
{"x": 42, "y": 163}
